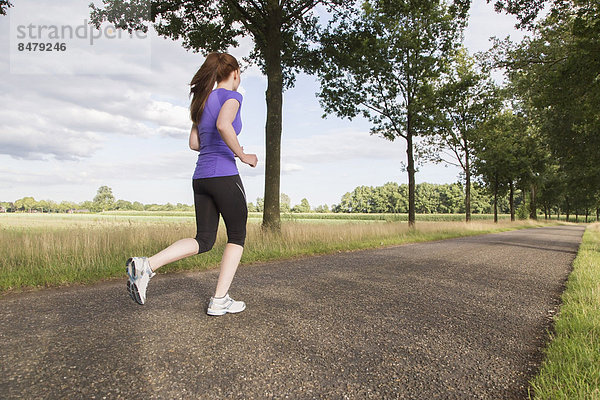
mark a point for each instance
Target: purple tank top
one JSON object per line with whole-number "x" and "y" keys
{"x": 216, "y": 158}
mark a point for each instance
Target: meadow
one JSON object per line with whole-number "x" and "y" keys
{"x": 40, "y": 250}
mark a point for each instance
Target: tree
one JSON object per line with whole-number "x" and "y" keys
{"x": 282, "y": 32}
{"x": 87, "y": 205}
{"x": 123, "y": 205}
{"x": 552, "y": 190}
{"x": 104, "y": 199}
{"x": 26, "y": 204}
{"x": 464, "y": 100}
{"x": 324, "y": 208}
{"x": 481, "y": 202}
{"x": 303, "y": 207}
{"x": 527, "y": 10}
{"x": 380, "y": 63}
{"x": 392, "y": 198}
{"x": 452, "y": 199}
{"x": 360, "y": 200}
{"x": 4, "y": 6}
{"x": 44, "y": 206}
{"x": 260, "y": 204}
{"x": 502, "y": 150}
{"x": 285, "y": 203}
{"x": 65, "y": 206}
{"x": 427, "y": 198}
{"x": 8, "y": 206}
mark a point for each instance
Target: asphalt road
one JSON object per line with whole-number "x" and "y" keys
{"x": 453, "y": 319}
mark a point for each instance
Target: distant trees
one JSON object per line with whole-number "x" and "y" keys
{"x": 26, "y": 204}
{"x": 285, "y": 202}
{"x": 303, "y": 207}
{"x": 430, "y": 198}
{"x": 285, "y": 205}
{"x": 103, "y": 201}
{"x": 388, "y": 198}
{"x": 7, "y": 206}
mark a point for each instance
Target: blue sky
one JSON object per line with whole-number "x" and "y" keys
{"x": 73, "y": 121}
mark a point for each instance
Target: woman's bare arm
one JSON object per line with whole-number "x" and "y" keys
{"x": 225, "y": 128}
{"x": 194, "y": 138}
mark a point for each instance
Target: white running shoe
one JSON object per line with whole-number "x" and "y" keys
{"x": 224, "y": 306}
{"x": 139, "y": 273}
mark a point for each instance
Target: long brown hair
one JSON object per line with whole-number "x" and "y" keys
{"x": 216, "y": 68}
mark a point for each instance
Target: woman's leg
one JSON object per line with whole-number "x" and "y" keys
{"x": 207, "y": 222}
{"x": 180, "y": 249}
{"x": 230, "y": 198}
{"x": 229, "y": 263}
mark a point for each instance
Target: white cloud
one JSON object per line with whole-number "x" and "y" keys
{"x": 153, "y": 166}
{"x": 39, "y": 141}
{"x": 338, "y": 146}
{"x": 289, "y": 167}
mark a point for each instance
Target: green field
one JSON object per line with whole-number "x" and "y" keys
{"x": 39, "y": 250}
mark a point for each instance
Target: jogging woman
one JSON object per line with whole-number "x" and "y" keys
{"x": 216, "y": 183}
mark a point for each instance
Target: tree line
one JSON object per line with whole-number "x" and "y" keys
{"x": 388, "y": 198}
{"x": 103, "y": 201}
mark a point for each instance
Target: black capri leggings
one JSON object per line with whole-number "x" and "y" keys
{"x": 223, "y": 195}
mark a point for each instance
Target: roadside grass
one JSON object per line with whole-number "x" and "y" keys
{"x": 42, "y": 251}
{"x": 571, "y": 368}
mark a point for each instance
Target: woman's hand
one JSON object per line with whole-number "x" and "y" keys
{"x": 249, "y": 159}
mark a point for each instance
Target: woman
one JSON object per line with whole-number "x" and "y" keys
{"x": 216, "y": 183}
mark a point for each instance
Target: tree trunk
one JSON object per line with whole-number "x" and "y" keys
{"x": 496, "y": 199}
{"x": 597, "y": 214}
{"x": 512, "y": 202}
{"x": 546, "y": 213}
{"x": 411, "y": 179}
{"x": 558, "y": 213}
{"x": 587, "y": 211}
{"x": 410, "y": 156}
{"x": 576, "y": 215}
{"x": 274, "y": 96}
{"x": 468, "y": 183}
{"x": 532, "y": 205}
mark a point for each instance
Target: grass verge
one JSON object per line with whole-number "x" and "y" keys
{"x": 59, "y": 253}
{"x": 571, "y": 368}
